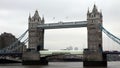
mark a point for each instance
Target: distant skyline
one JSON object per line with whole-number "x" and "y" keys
{"x": 14, "y": 19}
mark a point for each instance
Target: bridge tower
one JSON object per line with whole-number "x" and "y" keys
{"x": 93, "y": 56}
{"x": 36, "y": 42}
{"x": 36, "y": 36}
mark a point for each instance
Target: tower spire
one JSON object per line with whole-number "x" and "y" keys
{"x": 36, "y": 13}
{"x": 101, "y": 14}
{"x": 29, "y": 16}
{"x": 94, "y": 8}
{"x": 36, "y": 16}
{"x": 43, "y": 20}
{"x": 88, "y": 11}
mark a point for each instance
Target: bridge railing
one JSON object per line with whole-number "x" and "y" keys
{"x": 63, "y": 25}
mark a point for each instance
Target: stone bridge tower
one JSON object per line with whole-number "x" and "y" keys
{"x": 94, "y": 54}
{"x": 36, "y": 42}
{"x": 36, "y": 36}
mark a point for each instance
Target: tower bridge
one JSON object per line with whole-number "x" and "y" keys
{"x": 94, "y": 52}
{"x": 93, "y": 55}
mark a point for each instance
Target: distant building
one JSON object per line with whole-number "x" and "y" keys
{"x": 76, "y": 48}
{"x": 69, "y": 48}
{"x": 6, "y": 39}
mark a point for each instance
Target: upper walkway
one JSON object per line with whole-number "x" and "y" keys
{"x": 63, "y": 25}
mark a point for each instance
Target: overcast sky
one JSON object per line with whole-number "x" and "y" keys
{"x": 14, "y": 19}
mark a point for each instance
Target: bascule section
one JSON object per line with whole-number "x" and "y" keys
{"x": 93, "y": 55}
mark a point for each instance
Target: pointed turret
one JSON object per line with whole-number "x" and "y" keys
{"x": 36, "y": 15}
{"x": 43, "y": 20}
{"x": 101, "y": 13}
{"x": 88, "y": 11}
{"x": 29, "y": 17}
{"x": 94, "y": 14}
{"x": 94, "y": 9}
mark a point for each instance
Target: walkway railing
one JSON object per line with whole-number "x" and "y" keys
{"x": 63, "y": 25}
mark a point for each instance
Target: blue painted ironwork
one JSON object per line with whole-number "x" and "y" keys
{"x": 14, "y": 45}
{"x": 110, "y": 35}
{"x": 63, "y": 25}
{"x": 18, "y": 46}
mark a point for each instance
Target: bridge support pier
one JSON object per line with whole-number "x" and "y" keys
{"x": 43, "y": 61}
{"x": 95, "y": 63}
{"x": 33, "y": 58}
{"x": 93, "y": 56}
{"x": 91, "y": 59}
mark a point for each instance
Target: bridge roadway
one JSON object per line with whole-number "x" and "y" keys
{"x": 111, "y": 52}
{"x": 63, "y": 25}
{"x": 72, "y": 52}
{"x": 15, "y": 54}
{"x": 58, "y": 52}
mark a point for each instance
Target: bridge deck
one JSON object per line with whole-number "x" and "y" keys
{"x": 72, "y": 52}
{"x": 111, "y": 52}
{"x": 51, "y": 52}
{"x": 63, "y": 25}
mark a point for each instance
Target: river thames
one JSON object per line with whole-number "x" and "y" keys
{"x": 59, "y": 65}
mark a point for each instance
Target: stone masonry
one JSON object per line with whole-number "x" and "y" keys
{"x": 94, "y": 51}
{"x": 6, "y": 39}
{"x": 36, "y": 36}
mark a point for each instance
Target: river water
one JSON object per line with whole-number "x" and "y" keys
{"x": 59, "y": 65}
